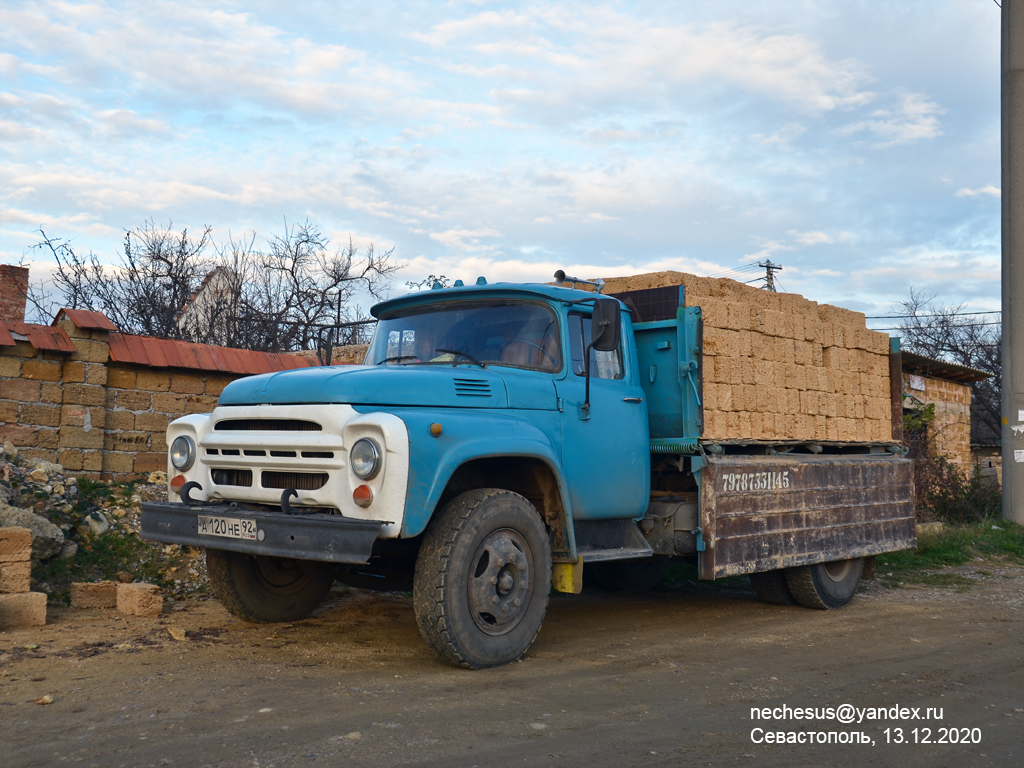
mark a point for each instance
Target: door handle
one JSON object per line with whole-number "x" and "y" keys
{"x": 632, "y": 400}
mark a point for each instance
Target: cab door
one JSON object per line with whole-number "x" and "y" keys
{"x": 605, "y": 450}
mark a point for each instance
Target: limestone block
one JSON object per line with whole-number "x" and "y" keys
{"x": 22, "y": 390}
{"x": 92, "y": 351}
{"x": 139, "y": 599}
{"x": 41, "y": 370}
{"x": 121, "y": 378}
{"x": 15, "y": 544}
{"x": 15, "y": 577}
{"x": 25, "y": 609}
{"x": 102, "y": 594}
{"x": 153, "y": 381}
{"x": 10, "y": 366}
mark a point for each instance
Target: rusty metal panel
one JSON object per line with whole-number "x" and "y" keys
{"x": 6, "y": 340}
{"x": 86, "y": 318}
{"x": 761, "y": 513}
{"x": 44, "y": 337}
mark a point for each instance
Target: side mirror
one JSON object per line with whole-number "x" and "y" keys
{"x": 606, "y": 325}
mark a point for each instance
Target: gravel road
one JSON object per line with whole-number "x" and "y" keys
{"x": 656, "y": 679}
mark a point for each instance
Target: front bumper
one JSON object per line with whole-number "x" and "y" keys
{"x": 321, "y": 537}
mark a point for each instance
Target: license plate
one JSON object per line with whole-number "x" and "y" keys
{"x": 229, "y": 527}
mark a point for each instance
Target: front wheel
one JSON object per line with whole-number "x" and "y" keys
{"x": 266, "y": 589}
{"x": 482, "y": 579}
{"x": 825, "y": 585}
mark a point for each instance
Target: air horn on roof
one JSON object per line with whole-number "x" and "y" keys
{"x": 561, "y": 277}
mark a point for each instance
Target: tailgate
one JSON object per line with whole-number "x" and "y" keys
{"x": 761, "y": 513}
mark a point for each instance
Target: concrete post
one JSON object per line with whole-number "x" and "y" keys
{"x": 1013, "y": 258}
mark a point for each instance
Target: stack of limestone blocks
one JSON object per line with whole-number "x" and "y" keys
{"x": 18, "y": 606}
{"x": 777, "y": 366}
{"x": 135, "y": 599}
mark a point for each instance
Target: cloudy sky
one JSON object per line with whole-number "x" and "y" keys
{"x": 855, "y": 143}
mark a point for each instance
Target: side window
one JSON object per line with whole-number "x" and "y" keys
{"x": 603, "y": 365}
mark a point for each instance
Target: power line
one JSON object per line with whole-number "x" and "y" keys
{"x": 941, "y": 314}
{"x": 738, "y": 270}
{"x": 925, "y": 327}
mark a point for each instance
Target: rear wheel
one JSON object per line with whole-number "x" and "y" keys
{"x": 482, "y": 579}
{"x": 772, "y": 588}
{"x": 267, "y": 589}
{"x": 825, "y": 585}
{"x": 628, "y": 575}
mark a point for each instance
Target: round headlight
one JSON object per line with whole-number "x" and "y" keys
{"x": 365, "y": 458}
{"x": 183, "y": 453}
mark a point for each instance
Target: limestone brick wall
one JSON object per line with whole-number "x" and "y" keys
{"x": 949, "y": 434}
{"x": 91, "y": 415}
{"x": 777, "y": 366}
{"x": 141, "y": 402}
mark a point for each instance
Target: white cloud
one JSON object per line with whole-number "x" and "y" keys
{"x": 818, "y": 238}
{"x": 912, "y": 119}
{"x": 782, "y": 138}
{"x": 462, "y": 239}
{"x": 986, "y": 191}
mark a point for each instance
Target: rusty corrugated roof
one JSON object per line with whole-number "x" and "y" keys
{"x": 169, "y": 353}
{"x": 940, "y": 369}
{"x": 6, "y": 340}
{"x": 86, "y": 318}
{"x": 42, "y": 337}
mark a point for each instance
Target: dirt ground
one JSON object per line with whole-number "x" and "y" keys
{"x": 657, "y": 679}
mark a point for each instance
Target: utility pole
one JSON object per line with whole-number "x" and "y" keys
{"x": 1013, "y": 258}
{"x": 770, "y": 270}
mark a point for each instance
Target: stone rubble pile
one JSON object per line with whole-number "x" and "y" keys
{"x": 38, "y": 496}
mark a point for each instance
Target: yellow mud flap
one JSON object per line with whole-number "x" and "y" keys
{"x": 568, "y": 577}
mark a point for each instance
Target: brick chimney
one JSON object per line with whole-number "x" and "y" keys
{"x": 13, "y": 290}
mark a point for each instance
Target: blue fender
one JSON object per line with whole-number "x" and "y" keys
{"x": 481, "y": 434}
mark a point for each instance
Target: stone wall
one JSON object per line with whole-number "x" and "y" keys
{"x": 949, "y": 434}
{"x": 92, "y": 415}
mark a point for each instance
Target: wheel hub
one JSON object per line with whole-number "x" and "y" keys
{"x": 838, "y": 571}
{"x": 500, "y": 583}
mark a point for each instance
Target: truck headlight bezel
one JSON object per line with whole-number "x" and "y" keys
{"x": 182, "y": 453}
{"x": 365, "y": 458}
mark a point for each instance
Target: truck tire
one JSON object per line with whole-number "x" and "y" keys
{"x": 628, "y": 575}
{"x": 772, "y": 588}
{"x": 825, "y": 585}
{"x": 266, "y": 589}
{"x": 482, "y": 579}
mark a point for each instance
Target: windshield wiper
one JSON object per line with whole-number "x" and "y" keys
{"x": 461, "y": 354}
{"x": 396, "y": 359}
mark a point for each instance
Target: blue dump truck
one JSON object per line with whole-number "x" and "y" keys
{"x": 498, "y": 442}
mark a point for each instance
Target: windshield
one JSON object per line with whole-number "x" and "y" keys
{"x": 518, "y": 334}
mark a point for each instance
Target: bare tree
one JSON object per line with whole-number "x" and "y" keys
{"x": 171, "y": 285}
{"x": 947, "y": 333}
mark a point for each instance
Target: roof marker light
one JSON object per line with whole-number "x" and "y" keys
{"x": 481, "y": 280}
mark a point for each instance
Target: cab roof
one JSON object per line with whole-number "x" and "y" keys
{"x": 497, "y": 290}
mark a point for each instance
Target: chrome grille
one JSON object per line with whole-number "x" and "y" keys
{"x": 267, "y": 425}
{"x": 237, "y": 477}
{"x": 300, "y": 481}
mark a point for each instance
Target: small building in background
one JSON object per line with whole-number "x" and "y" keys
{"x": 948, "y": 386}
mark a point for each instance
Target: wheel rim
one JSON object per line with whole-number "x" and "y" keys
{"x": 838, "y": 571}
{"x": 500, "y": 582}
{"x": 279, "y": 576}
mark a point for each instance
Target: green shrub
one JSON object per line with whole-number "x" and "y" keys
{"x": 946, "y": 494}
